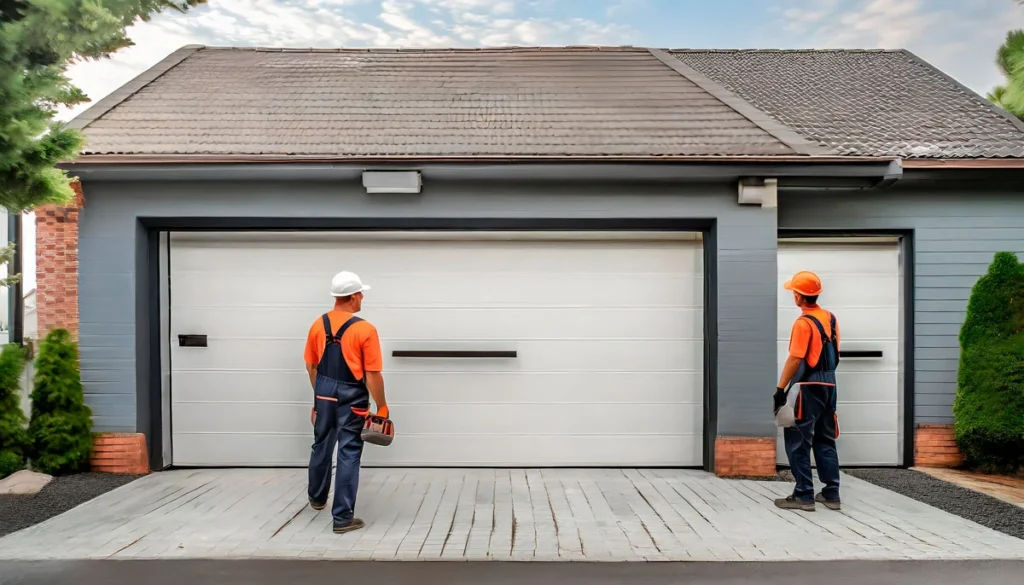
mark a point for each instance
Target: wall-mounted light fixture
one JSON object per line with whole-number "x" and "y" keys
{"x": 392, "y": 181}
{"x": 763, "y": 192}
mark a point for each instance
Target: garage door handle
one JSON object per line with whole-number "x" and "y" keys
{"x": 191, "y": 341}
{"x": 416, "y": 353}
{"x": 871, "y": 353}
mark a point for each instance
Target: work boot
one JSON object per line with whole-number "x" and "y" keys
{"x": 353, "y": 524}
{"x": 792, "y": 503}
{"x": 315, "y": 505}
{"x": 835, "y": 504}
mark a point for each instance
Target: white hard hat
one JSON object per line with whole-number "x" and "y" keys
{"x": 347, "y": 283}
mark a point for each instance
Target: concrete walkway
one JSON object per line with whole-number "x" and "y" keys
{"x": 425, "y": 514}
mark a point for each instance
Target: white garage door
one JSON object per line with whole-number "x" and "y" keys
{"x": 607, "y": 332}
{"x": 862, "y": 288}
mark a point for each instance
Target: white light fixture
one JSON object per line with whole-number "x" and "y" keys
{"x": 392, "y": 181}
{"x": 765, "y": 195}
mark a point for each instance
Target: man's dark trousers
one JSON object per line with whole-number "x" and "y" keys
{"x": 815, "y": 429}
{"x": 336, "y": 424}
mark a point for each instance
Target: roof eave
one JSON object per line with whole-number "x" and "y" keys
{"x": 149, "y": 159}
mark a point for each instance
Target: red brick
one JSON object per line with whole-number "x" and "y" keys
{"x": 935, "y": 446}
{"x": 57, "y": 265}
{"x": 752, "y": 457}
{"x": 120, "y": 453}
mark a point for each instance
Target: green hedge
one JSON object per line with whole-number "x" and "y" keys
{"x": 13, "y": 438}
{"x": 989, "y": 405}
{"x": 60, "y": 430}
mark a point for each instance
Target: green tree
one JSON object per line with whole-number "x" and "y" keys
{"x": 38, "y": 40}
{"x": 60, "y": 429}
{"x": 989, "y": 405}
{"x": 1010, "y": 59}
{"x": 13, "y": 438}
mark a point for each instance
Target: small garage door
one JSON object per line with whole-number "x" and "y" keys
{"x": 862, "y": 288}
{"x": 607, "y": 331}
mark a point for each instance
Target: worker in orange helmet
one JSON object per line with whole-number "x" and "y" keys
{"x": 811, "y": 369}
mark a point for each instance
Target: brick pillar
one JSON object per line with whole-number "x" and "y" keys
{"x": 745, "y": 457}
{"x": 935, "y": 446}
{"x": 57, "y": 265}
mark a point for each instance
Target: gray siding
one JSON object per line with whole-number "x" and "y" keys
{"x": 956, "y": 233}
{"x": 111, "y": 249}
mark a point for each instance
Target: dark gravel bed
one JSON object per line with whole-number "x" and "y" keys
{"x": 57, "y": 497}
{"x": 977, "y": 507}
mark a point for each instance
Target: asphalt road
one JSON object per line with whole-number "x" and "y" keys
{"x": 459, "y": 573}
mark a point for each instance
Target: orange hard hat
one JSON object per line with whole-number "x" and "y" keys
{"x": 804, "y": 282}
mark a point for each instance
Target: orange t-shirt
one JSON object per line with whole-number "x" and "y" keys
{"x": 360, "y": 344}
{"x": 804, "y": 340}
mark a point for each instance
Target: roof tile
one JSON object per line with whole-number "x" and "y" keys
{"x": 449, "y": 103}
{"x": 869, "y": 103}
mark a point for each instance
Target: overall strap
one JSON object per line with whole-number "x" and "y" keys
{"x": 344, "y": 326}
{"x": 821, "y": 328}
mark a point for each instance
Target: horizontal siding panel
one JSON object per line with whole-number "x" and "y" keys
{"x": 944, "y": 388}
{"x": 929, "y": 305}
{"x": 979, "y": 260}
{"x": 941, "y": 413}
{"x": 962, "y": 233}
{"x": 945, "y": 341}
{"x": 932, "y": 318}
{"x": 977, "y": 244}
{"x": 959, "y": 282}
{"x": 946, "y": 330}
{"x": 935, "y": 376}
{"x": 959, "y": 294}
{"x": 923, "y": 399}
{"x": 113, "y": 424}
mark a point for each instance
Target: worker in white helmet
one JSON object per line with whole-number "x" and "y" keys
{"x": 344, "y": 362}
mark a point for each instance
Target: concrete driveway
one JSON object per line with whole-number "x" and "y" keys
{"x": 543, "y": 515}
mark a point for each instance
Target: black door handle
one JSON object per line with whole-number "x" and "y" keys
{"x": 871, "y": 353}
{"x": 192, "y": 341}
{"x": 416, "y": 353}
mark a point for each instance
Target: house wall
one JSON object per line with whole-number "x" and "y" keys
{"x": 114, "y": 252}
{"x": 957, "y": 228}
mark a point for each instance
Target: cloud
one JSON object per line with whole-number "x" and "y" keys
{"x": 961, "y": 42}
{"x": 338, "y": 23}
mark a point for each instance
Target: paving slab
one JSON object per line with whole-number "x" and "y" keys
{"x": 605, "y": 515}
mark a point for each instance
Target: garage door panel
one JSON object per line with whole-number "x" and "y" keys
{"x": 856, "y": 324}
{"x": 608, "y": 335}
{"x": 862, "y": 287}
{"x": 535, "y": 355}
{"x": 458, "y": 322}
{"x": 486, "y": 289}
{"x": 866, "y": 386}
{"x": 870, "y": 417}
{"x": 851, "y": 258}
{"x": 458, "y": 419}
{"x": 410, "y": 388}
{"x": 858, "y": 449}
{"x": 540, "y": 450}
{"x": 404, "y": 259}
{"x": 889, "y": 362}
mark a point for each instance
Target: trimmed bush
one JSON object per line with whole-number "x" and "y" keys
{"x": 60, "y": 430}
{"x": 13, "y": 438}
{"x": 989, "y": 405}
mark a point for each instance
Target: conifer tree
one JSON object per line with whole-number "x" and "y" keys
{"x": 60, "y": 429}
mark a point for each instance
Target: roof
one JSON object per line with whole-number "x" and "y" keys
{"x": 603, "y": 102}
{"x": 865, "y": 102}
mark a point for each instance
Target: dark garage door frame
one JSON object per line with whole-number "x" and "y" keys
{"x": 148, "y": 348}
{"x": 906, "y": 248}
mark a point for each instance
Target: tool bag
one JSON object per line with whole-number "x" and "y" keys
{"x": 378, "y": 430}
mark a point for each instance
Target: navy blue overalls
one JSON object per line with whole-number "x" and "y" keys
{"x": 816, "y": 424}
{"x": 337, "y": 392}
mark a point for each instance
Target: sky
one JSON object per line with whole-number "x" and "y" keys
{"x": 959, "y": 37}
